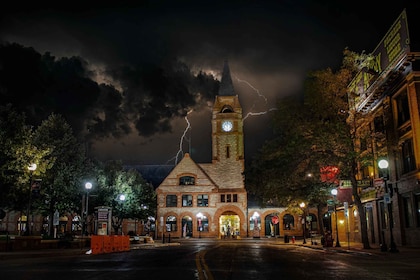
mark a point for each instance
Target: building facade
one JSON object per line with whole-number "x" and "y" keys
{"x": 385, "y": 99}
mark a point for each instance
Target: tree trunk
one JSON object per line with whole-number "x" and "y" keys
{"x": 362, "y": 211}
{"x": 320, "y": 220}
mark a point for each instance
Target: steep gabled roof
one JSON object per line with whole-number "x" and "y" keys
{"x": 188, "y": 165}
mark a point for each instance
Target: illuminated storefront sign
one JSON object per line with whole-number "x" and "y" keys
{"x": 391, "y": 48}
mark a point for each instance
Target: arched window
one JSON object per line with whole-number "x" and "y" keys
{"x": 171, "y": 224}
{"x": 288, "y": 222}
{"x": 186, "y": 180}
{"x": 227, "y": 109}
{"x": 203, "y": 224}
{"x": 255, "y": 222}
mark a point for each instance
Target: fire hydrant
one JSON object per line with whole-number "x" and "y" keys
{"x": 293, "y": 239}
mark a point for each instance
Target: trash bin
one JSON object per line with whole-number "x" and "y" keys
{"x": 286, "y": 238}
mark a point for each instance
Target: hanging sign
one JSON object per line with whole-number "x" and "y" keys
{"x": 275, "y": 220}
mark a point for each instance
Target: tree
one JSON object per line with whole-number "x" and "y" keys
{"x": 129, "y": 195}
{"x": 309, "y": 134}
{"x": 62, "y": 182}
{"x": 17, "y": 152}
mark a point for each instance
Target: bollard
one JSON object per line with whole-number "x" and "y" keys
{"x": 163, "y": 238}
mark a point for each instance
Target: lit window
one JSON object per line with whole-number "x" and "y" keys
{"x": 186, "y": 180}
{"x": 171, "y": 224}
{"x": 187, "y": 200}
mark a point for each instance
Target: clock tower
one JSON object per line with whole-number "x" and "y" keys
{"x": 227, "y": 134}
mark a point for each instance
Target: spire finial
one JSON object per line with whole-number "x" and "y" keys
{"x": 226, "y": 85}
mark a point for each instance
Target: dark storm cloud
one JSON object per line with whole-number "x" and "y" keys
{"x": 154, "y": 94}
{"x": 150, "y": 97}
{"x": 133, "y": 69}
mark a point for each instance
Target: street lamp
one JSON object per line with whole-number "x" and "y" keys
{"x": 32, "y": 167}
{"x": 121, "y": 197}
{"x": 334, "y": 193}
{"x": 88, "y": 187}
{"x": 199, "y": 217}
{"x": 383, "y": 165}
{"x": 302, "y": 205}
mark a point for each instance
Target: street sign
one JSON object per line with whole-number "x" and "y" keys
{"x": 346, "y": 208}
{"x": 56, "y": 218}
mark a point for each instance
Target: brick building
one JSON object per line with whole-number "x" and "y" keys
{"x": 210, "y": 199}
{"x": 385, "y": 97}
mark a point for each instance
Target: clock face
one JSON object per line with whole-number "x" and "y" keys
{"x": 227, "y": 126}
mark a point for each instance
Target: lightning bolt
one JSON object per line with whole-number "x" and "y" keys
{"x": 255, "y": 89}
{"x": 180, "y": 152}
{"x": 253, "y": 105}
{"x": 258, "y": 113}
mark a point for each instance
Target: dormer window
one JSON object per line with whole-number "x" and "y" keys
{"x": 186, "y": 180}
{"x": 227, "y": 109}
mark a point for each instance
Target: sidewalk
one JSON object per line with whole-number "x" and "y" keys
{"x": 354, "y": 248}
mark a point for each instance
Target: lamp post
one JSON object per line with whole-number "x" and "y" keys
{"x": 199, "y": 217}
{"x": 121, "y": 197}
{"x": 32, "y": 167}
{"x": 383, "y": 165}
{"x": 88, "y": 187}
{"x": 334, "y": 193}
{"x": 302, "y": 205}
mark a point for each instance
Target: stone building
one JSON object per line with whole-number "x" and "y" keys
{"x": 210, "y": 199}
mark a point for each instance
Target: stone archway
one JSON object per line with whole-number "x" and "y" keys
{"x": 187, "y": 226}
{"x": 229, "y": 225}
{"x": 272, "y": 225}
{"x": 239, "y": 220}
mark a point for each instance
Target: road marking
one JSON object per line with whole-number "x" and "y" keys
{"x": 202, "y": 268}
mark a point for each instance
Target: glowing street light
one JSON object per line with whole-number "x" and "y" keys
{"x": 383, "y": 165}
{"x": 334, "y": 193}
{"x": 32, "y": 167}
{"x": 88, "y": 187}
{"x": 302, "y": 205}
{"x": 121, "y": 198}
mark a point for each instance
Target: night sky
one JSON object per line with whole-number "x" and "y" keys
{"x": 144, "y": 58}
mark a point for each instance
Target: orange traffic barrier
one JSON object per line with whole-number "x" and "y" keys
{"x": 97, "y": 244}
{"x": 126, "y": 243}
{"x": 109, "y": 243}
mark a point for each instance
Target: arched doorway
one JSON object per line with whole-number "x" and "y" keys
{"x": 229, "y": 224}
{"x": 186, "y": 226}
{"x": 272, "y": 225}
